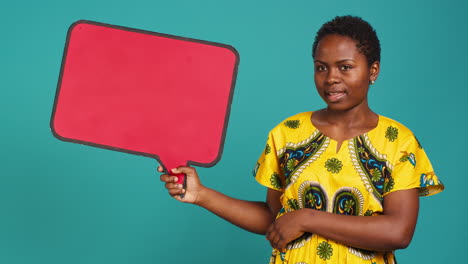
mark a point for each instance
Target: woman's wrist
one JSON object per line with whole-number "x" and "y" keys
{"x": 202, "y": 196}
{"x": 306, "y": 220}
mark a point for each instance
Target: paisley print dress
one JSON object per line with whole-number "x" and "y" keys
{"x": 306, "y": 166}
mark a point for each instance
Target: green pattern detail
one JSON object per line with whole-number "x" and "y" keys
{"x": 311, "y": 201}
{"x": 276, "y": 181}
{"x": 291, "y": 164}
{"x": 423, "y": 191}
{"x": 267, "y": 149}
{"x": 368, "y": 213}
{"x": 293, "y": 204}
{"x": 404, "y": 158}
{"x": 392, "y": 133}
{"x": 388, "y": 184}
{"x": 333, "y": 165}
{"x": 376, "y": 174}
{"x": 348, "y": 205}
{"x": 324, "y": 250}
{"x": 369, "y": 162}
{"x": 292, "y": 123}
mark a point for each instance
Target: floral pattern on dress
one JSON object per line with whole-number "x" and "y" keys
{"x": 408, "y": 157}
{"x": 293, "y": 124}
{"x": 373, "y": 167}
{"x": 333, "y": 165}
{"x": 276, "y": 181}
{"x": 348, "y": 201}
{"x": 383, "y": 160}
{"x": 312, "y": 195}
{"x": 325, "y": 250}
{"x": 267, "y": 149}
{"x": 296, "y": 156}
{"x": 391, "y": 134}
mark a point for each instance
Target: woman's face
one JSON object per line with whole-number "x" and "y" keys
{"x": 342, "y": 74}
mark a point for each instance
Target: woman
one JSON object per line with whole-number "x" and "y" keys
{"x": 343, "y": 182}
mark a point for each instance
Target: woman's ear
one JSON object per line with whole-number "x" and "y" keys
{"x": 374, "y": 71}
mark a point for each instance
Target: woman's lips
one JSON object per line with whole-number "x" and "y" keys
{"x": 335, "y": 96}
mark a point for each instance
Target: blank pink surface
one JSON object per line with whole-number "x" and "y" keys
{"x": 145, "y": 93}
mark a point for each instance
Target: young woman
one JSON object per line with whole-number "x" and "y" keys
{"x": 343, "y": 182}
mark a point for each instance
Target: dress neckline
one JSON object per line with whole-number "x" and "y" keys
{"x": 339, "y": 146}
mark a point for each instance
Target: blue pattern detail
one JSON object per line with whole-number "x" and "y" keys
{"x": 381, "y": 179}
{"x": 293, "y": 158}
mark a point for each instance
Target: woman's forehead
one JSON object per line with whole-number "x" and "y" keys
{"x": 337, "y": 47}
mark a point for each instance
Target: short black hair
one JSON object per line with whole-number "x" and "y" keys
{"x": 355, "y": 28}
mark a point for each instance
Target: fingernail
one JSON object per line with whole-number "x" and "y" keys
{"x": 174, "y": 170}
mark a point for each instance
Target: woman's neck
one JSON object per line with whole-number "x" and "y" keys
{"x": 352, "y": 118}
{"x": 344, "y": 125}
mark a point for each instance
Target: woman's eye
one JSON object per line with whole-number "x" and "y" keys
{"x": 320, "y": 68}
{"x": 346, "y": 67}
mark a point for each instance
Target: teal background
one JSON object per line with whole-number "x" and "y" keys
{"x": 68, "y": 203}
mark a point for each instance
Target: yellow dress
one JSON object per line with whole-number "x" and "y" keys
{"x": 304, "y": 164}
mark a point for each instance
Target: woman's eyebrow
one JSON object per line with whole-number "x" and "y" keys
{"x": 345, "y": 60}
{"x": 337, "y": 62}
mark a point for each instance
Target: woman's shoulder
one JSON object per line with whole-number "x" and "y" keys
{"x": 394, "y": 130}
{"x": 294, "y": 122}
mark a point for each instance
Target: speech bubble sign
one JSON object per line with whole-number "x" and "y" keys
{"x": 145, "y": 93}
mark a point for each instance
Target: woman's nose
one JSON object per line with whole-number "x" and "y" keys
{"x": 333, "y": 76}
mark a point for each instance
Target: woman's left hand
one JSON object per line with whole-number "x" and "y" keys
{"x": 286, "y": 228}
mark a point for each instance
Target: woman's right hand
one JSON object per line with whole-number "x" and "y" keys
{"x": 194, "y": 186}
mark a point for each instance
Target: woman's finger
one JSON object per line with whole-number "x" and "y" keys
{"x": 168, "y": 178}
{"x": 176, "y": 192}
{"x": 280, "y": 245}
{"x": 172, "y": 185}
{"x": 160, "y": 169}
{"x": 275, "y": 240}
{"x": 272, "y": 237}
{"x": 274, "y": 244}
{"x": 184, "y": 170}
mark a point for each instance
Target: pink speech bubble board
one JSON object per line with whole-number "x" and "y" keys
{"x": 145, "y": 93}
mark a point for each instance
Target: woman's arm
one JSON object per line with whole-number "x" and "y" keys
{"x": 392, "y": 230}
{"x": 252, "y": 216}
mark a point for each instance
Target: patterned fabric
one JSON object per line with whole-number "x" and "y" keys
{"x": 305, "y": 165}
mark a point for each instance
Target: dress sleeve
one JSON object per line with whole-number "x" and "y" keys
{"x": 413, "y": 170}
{"x": 268, "y": 171}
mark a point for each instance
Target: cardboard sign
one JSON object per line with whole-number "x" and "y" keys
{"x": 145, "y": 93}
